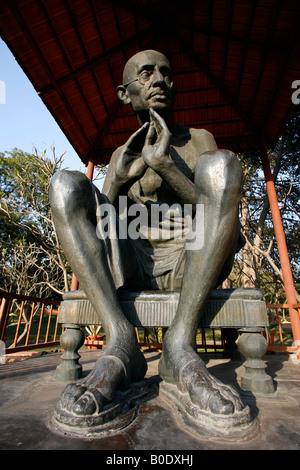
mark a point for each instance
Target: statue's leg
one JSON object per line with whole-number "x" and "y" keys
{"x": 74, "y": 202}
{"x": 218, "y": 180}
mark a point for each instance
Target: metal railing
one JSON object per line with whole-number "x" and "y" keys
{"x": 207, "y": 339}
{"x": 28, "y": 322}
{"x": 151, "y": 339}
{"x": 280, "y": 327}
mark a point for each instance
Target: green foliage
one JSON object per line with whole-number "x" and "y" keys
{"x": 31, "y": 259}
{"x": 23, "y": 188}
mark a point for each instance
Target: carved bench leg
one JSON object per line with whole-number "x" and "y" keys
{"x": 253, "y": 346}
{"x": 71, "y": 340}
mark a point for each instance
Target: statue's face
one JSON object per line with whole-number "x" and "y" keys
{"x": 151, "y": 82}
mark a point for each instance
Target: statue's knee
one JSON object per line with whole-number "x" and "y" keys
{"x": 219, "y": 170}
{"x": 64, "y": 186}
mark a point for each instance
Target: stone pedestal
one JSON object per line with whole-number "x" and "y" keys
{"x": 253, "y": 347}
{"x": 71, "y": 341}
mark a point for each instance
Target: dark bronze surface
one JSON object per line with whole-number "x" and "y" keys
{"x": 161, "y": 163}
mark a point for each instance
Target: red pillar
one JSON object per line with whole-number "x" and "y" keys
{"x": 89, "y": 174}
{"x": 282, "y": 249}
{"x": 90, "y": 170}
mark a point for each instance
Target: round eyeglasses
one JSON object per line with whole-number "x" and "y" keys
{"x": 143, "y": 79}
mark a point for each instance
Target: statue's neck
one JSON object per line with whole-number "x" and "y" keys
{"x": 143, "y": 116}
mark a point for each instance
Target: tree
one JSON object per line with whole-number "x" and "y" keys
{"x": 32, "y": 261}
{"x": 258, "y": 264}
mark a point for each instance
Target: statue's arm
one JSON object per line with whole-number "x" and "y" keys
{"x": 111, "y": 188}
{"x": 183, "y": 186}
{"x": 157, "y": 156}
{"x": 126, "y": 166}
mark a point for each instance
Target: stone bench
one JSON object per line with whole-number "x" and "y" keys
{"x": 238, "y": 309}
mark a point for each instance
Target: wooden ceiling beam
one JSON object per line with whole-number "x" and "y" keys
{"x": 204, "y": 67}
{"x": 246, "y": 44}
{"x": 227, "y": 38}
{"x": 266, "y": 51}
{"x": 282, "y": 47}
{"x": 92, "y": 64}
{"x": 75, "y": 26}
{"x": 294, "y": 42}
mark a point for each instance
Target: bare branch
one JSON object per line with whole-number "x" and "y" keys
{"x": 266, "y": 254}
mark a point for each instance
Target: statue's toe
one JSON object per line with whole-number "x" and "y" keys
{"x": 219, "y": 405}
{"x": 211, "y": 400}
{"x": 89, "y": 403}
{"x": 70, "y": 395}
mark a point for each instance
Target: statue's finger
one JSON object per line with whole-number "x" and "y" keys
{"x": 135, "y": 138}
{"x": 150, "y": 134}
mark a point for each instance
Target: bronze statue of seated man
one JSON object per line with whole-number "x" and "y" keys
{"x": 161, "y": 163}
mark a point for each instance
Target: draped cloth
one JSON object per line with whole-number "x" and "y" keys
{"x": 154, "y": 258}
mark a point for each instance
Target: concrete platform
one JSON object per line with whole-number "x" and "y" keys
{"x": 29, "y": 393}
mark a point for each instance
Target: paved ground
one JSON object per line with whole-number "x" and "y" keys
{"x": 29, "y": 393}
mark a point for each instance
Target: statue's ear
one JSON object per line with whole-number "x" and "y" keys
{"x": 123, "y": 95}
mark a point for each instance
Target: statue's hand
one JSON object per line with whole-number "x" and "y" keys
{"x": 156, "y": 151}
{"x": 130, "y": 165}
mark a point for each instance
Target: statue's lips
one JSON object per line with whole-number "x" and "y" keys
{"x": 158, "y": 94}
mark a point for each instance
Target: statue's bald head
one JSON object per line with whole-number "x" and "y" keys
{"x": 138, "y": 59}
{"x": 147, "y": 83}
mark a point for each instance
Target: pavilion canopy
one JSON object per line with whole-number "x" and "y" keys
{"x": 233, "y": 62}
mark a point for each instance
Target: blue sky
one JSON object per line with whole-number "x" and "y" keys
{"x": 25, "y": 122}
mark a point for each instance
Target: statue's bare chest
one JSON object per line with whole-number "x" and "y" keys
{"x": 152, "y": 187}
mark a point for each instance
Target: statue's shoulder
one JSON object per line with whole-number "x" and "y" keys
{"x": 202, "y": 139}
{"x": 201, "y": 134}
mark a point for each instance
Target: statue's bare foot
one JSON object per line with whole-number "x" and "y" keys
{"x": 183, "y": 368}
{"x": 114, "y": 370}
